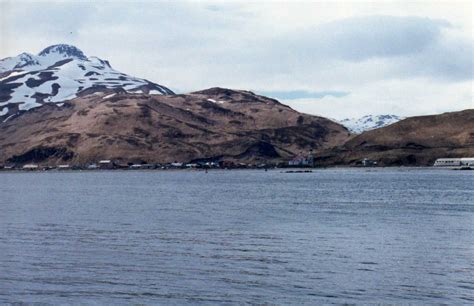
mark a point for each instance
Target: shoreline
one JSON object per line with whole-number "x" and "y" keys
{"x": 281, "y": 170}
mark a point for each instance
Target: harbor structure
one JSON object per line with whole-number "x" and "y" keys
{"x": 465, "y": 162}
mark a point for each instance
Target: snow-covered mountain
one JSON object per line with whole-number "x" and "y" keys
{"x": 60, "y": 73}
{"x": 369, "y": 122}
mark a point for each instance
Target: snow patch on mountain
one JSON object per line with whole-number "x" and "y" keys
{"x": 18, "y": 62}
{"x": 369, "y": 122}
{"x": 60, "y": 73}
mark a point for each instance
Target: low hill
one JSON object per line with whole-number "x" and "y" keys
{"x": 412, "y": 141}
{"x": 212, "y": 124}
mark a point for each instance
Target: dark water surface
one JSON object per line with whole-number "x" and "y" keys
{"x": 331, "y": 236}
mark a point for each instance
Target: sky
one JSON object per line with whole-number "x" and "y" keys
{"x": 337, "y": 59}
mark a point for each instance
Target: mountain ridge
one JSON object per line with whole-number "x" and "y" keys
{"x": 60, "y": 73}
{"x": 214, "y": 124}
{"x": 62, "y": 106}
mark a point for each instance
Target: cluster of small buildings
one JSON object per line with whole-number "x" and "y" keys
{"x": 103, "y": 164}
{"x": 302, "y": 160}
{"x": 299, "y": 161}
{"x": 110, "y": 165}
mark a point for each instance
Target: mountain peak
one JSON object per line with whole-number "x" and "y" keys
{"x": 217, "y": 91}
{"x": 369, "y": 122}
{"x": 60, "y": 73}
{"x": 64, "y": 50}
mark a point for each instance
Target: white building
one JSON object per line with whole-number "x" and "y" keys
{"x": 92, "y": 166}
{"x": 447, "y": 162}
{"x": 454, "y": 162}
{"x": 106, "y": 164}
{"x": 30, "y": 167}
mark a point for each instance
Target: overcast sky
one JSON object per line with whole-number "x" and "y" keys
{"x": 337, "y": 59}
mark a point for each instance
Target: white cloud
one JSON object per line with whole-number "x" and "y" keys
{"x": 386, "y": 54}
{"x": 401, "y": 97}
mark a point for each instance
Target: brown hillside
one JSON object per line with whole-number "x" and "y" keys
{"x": 413, "y": 141}
{"x": 211, "y": 124}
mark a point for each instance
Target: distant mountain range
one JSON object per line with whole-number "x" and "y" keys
{"x": 61, "y": 106}
{"x": 60, "y": 73}
{"x": 369, "y": 122}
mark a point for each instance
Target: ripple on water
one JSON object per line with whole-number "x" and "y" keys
{"x": 236, "y": 237}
